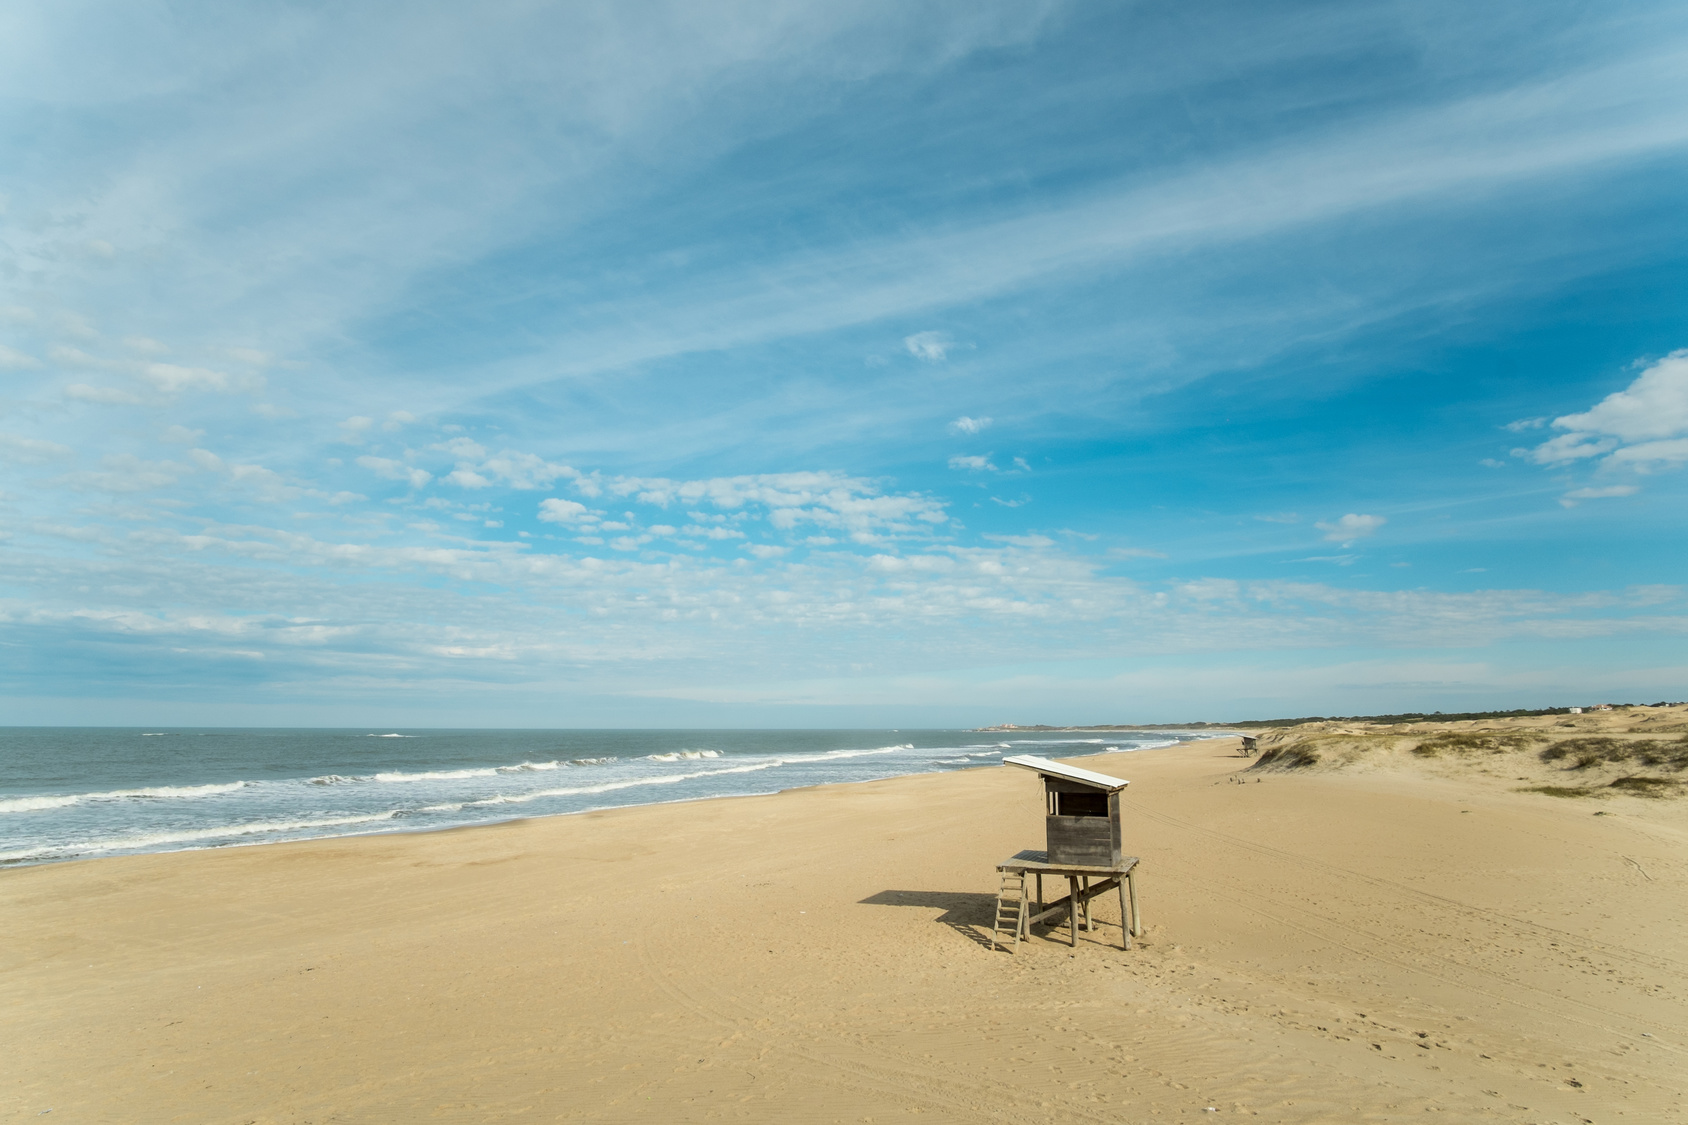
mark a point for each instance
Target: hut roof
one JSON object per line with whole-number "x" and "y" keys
{"x": 1070, "y": 773}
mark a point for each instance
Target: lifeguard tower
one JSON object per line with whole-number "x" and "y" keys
{"x": 1082, "y": 842}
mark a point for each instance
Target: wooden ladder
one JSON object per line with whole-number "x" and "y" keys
{"x": 1010, "y": 906}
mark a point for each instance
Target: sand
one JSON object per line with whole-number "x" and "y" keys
{"x": 1336, "y": 945}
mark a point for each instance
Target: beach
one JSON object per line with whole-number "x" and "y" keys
{"x": 1362, "y": 944}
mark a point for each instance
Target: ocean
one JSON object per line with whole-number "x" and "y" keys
{"x": 72, "y": 793}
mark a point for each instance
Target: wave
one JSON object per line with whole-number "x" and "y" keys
{"x": 31, "y": 804}
{"x": 392, "y": 736}
{"x": 683, "y": 756}
{"x": 153, "y": 734}
{"x": 676, "y": 778}
{"x": 188, "y": 836}
{"x": 157, "y": 792}
{"x": 591, "y": 761}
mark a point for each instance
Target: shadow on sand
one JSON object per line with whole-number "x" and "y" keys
{"x": 969, "y": 915}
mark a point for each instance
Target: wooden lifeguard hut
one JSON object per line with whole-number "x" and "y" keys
{"x": 1083, "y": 841}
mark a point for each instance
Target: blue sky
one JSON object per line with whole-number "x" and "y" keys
{"x": 839, "y": 364}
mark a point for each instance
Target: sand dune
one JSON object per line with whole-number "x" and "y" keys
{"x": 1399, "y": 934}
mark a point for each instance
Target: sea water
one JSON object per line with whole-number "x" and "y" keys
{"x": 69, "y": 793}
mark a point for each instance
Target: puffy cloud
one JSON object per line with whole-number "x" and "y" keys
{"x": 933, "y": 347}
{"x": 173, "y": 379}
{"x": 32, "y": 450}
{"x": 556, "y": 510}
{"x": 1350, "y": 527}
{"x": 475, "y": 469}
{"x": 1568, "y": 447}
{"x": 181, "y": 435}
{"x": 1673, "y": 452}
{"x": 966, "y": 425}
{"x": 1633, "y": 426}
{"x": 106, "y": 396}
{"x": 826, "y": 499}
{"x": 13, "y": 360}
{"x": 1642, "y": 428}
{"x": 128, "y": 473}
{"x": 388, "y": 469}
{"x": 1654, "y": 406}
{"x": 974, "y": 463}
{"x": 1571, "y": 498}
{"x": 352, "y": 429}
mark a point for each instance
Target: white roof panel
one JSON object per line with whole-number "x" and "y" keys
{"x": 1070, "y": 773}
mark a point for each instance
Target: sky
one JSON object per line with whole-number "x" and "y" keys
{"x": 839, "y": 364}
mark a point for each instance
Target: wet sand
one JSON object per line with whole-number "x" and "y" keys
{"x": 1359, "y": 945}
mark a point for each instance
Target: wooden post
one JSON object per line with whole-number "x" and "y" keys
{"x": 1073, "y": 909}
{"x": 1126, "y": 921}
{"x": 1084, "y": 881}
{"x": 1040, "y": 891}
{"x": 1136, "y": 914}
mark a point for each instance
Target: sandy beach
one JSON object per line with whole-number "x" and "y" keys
{"x": 1369, "y": 936}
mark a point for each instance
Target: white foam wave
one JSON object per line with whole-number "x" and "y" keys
{"x": 676, "y": 778}
{"x": 153, "y": 734}
{"x": 529, "y": 767}
{"x": 437, "y": 775}
{"x": 157, "y": 792}
{"x": 683, "y": 756}
{"x": 392, "y": 736}
{"x": 591, "y": 761}
{"x": 32, "y": 804}
{"x": 188, "y": 836}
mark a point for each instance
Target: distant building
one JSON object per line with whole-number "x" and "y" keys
{"x": 1576, "y": 710}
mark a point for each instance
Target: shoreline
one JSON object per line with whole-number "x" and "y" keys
{"x": 820, "y": 953}
{"x": 391, "y": 815}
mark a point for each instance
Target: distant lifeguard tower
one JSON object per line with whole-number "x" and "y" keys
{"x": 1082, "y": 842}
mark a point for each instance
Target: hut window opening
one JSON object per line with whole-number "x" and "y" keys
{"x": 1080, "y": 804}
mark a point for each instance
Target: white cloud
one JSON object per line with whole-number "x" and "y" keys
{"x": 1571, "y": 498}
{"x": 1350, "y": 527}
{"x": 1640, "y": 428}
{"x": 181, "y": 435}
{"x": 32, "y": 450}
{"x": 974, "y": 463}
{"x": 766, "y": 550}
{"x": 1673, "y": 452}
{"x": 467, "y": 478}
{"x": 127, "y": 473}
{"x": 933, "y": 347}
{"x": 1567, "y": 447}
{"x": 966, "y": 425}
{"x": 557, "y": 510}
{"x": 475, "y": 469}
{"x": 1654, "y": 406}
{"x": 389, "y": 469}
{"x": 146, "y": 345}
{"x": 397, "y": 420}
{"x": 106, "y": 396}
{"x": 1526, "y": 424}
{"x": 173, "y": 379}
{"x": 1135, "y": 553}
{"x": 352, "y": 429}
{"x": 13, "y": 360}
